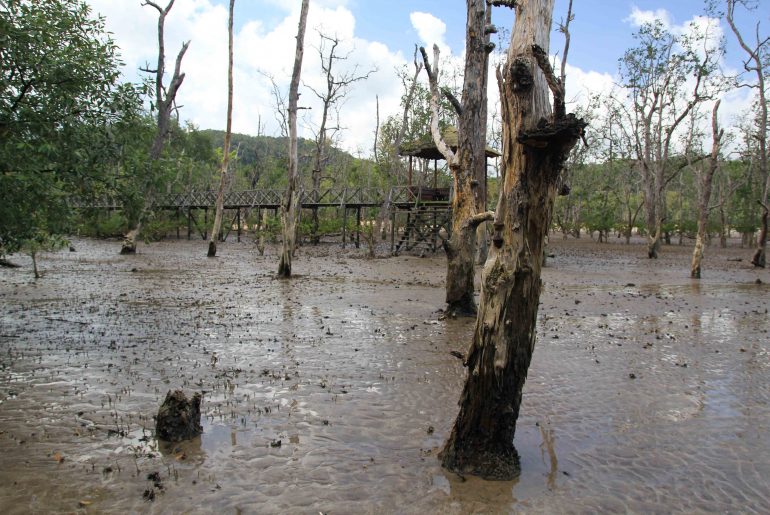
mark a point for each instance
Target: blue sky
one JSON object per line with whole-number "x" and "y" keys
{"x": 601, "y": 30}
{"x": 377, "y": 33}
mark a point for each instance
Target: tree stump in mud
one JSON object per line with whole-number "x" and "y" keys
{"x": 179, "y": 418}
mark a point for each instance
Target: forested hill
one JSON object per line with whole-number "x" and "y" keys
{"x": 253, "y": 150}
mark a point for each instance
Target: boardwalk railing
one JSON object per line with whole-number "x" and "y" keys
{"x": 347, "y": 197}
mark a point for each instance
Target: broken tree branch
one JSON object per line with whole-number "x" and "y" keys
{"x": 554, "y": 84}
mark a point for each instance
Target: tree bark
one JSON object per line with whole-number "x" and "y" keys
{"x": 223, "y": 179}
{"x": 758, "y": 259}
{"x": 480, "y": 172}
{"x": 290, "y": 204}
{"x": 705, "y": 194}
{"x": 164, "y": 103}
{"x": 535, "y": 146}
{"x": 466, "y": 164}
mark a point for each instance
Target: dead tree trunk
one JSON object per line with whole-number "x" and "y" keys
{"x": 337, "y": 85}
{"x": 164, "y": 103}
{"x": 757, "y": 63}
{"x": 705, "y": 194}
{"x": 480, "y": 172}
{"x": 290, "y": 204}
{"x": 223, "y": 178}
{"x": 535, "y": 145}
{"x": 471, "y": 141}
{"x": 759, "y": 256}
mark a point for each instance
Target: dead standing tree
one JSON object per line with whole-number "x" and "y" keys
{"x": 535, "y": 146}
{"x": 706, "y": 178}
{"x": 656, "y": 74}
{"x": 290, "y": 204}
{"x": 337, "y": 86}
{"x": 165, "y": 99}
{"x": 470, "y": 157}
{"x": 757, "y": 62}
{"x": 223, "y": 178}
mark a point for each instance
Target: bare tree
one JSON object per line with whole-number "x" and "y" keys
{"x": 469, "y": 159}
{"x": 706, "y": 180}
{"x": 290, "y": 204}
{"x": 223, "y": 173}
{"x": 756, "y": 62}
{"x": 337, "y": 85}
{"x": 280, "y": 108}
{"x": 536, "y": 143}
{"x": 656, "y": 73}
{"x": 165, "y": 99}
{"x": 410, "y": 86}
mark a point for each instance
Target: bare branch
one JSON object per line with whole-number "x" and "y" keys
{"x": 480, "y": 218}
{"x": 458, "y": 107}
{"x": 559, "y": 109}
{"x": 409, "y": 97}
{"x": 178, "y": 77}
{"x": 433, "y": 76}
{"x": 564, "y": 29}
{"x": 153, "y": 4}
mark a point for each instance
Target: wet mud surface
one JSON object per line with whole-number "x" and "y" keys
{"x": 333, "y": 392}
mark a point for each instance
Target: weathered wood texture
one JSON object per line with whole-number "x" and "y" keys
{"x": 290, "y": 206}
{"x": 707, "y": 178}
{"x": 223, "y": 172}
{"x": 469, "y": 162}
{"x": 535, "y": 146}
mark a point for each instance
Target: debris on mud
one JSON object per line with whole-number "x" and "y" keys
{"x": 179, "y": 418}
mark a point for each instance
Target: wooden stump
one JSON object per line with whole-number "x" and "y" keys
{"x": 179, "y": 418}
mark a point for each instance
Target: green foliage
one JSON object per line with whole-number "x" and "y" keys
{"x": 270, "y": 230}
{"x": 60, "y": 108}
{"x": 158, "y": 227}
{"x": 42, "y": 241}
{"x": 97, "y": 225}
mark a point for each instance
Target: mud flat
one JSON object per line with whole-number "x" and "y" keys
{"x": 333, "y": 392}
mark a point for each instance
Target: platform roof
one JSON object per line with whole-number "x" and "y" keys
{"x": 425, "y": 147}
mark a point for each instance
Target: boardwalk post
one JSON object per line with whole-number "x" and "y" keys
{"x": 205, "y": 222}
{"x": 392, "y": 230}
{"x": 189, "y": 223}
{"x": 177, "y": 223}
{"x": 358, "y": 227}
{"x": 239, "y": 225}
{"x": 344, "y": 225}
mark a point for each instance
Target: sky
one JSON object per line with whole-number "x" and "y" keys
{"x": 377, "y": 36}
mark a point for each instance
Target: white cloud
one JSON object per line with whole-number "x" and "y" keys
{"x": 697, "y": 26}
{"x": 431, "y": 30}
{"x": 639, "y": 17}
{"x": 257, "y": 48}
{"x": 582, "y": 84}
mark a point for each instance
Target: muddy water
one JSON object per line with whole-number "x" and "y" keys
{"x": 333, "y": 392}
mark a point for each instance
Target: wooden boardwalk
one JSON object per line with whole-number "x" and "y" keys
{"x": 423, "y": 211}
{"x": 402, "y": 196}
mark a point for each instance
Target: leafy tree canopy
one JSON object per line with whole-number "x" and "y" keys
{"x": 61, "y": 104}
